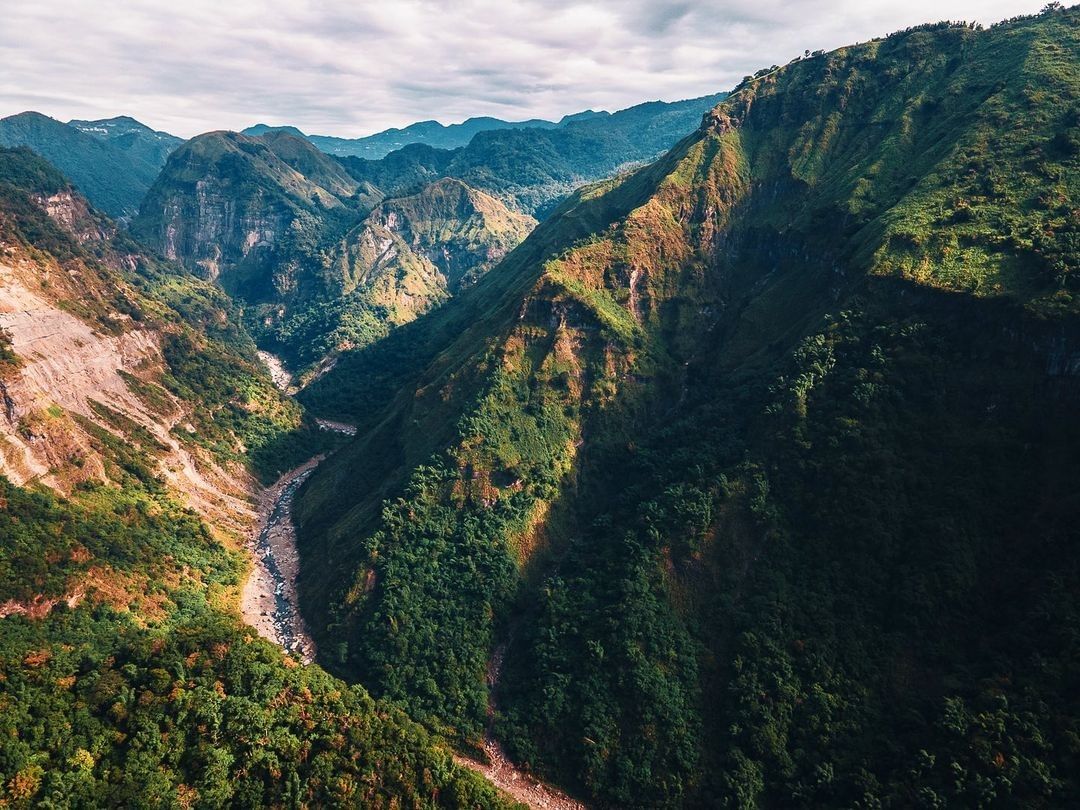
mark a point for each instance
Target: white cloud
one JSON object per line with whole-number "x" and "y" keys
{"x": 343, "y": 67}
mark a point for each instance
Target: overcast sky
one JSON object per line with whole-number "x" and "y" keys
{"x": 352, "y": 67}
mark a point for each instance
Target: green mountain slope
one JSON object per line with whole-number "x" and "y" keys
{"x": 431, "y": 133}
{"x": 113, "y": 173}
{"x": 754, "y": 463}
{"x": 317, "y": 263}
{"x": 132, "y": 408}
{"x": 533, "y": 169}
{"x": 285, "y": 229}
{"x": 138, "y": 141}
{"x": 408, "y": 255}
{"x": 454, "y": 136}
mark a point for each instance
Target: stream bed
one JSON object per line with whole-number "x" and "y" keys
{"x": 269, "y": 601}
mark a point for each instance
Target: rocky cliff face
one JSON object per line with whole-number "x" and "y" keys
{"x": 236, "y": 210}
{"x": 317, "y": 262}
{"x": 461, "y": 231}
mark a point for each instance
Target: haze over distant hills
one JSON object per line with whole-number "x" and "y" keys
{"x": 432, "y": 133}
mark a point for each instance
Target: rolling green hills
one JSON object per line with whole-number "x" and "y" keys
{"x": 753, "y": 466}
{"x": 533, "y": 169}
{"x": 676, "y": 117}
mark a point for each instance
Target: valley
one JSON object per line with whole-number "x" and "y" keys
{"x": 708, "y": 453}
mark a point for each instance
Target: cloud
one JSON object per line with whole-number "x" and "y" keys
{"x": 349, "y": 68}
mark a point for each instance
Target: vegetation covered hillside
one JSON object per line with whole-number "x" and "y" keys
{"x": 139, "y": 141}
{"x": 317, "y": 261}
{"x": 133, "y": 409}
{"x": 533, "y": 169}
{"x": 112, "y": 163}
{"x": 298, "y": 238}
{"x": 673, "y": 119}
{"x": 407, "y": 256}
{"x": 754, "y": 467}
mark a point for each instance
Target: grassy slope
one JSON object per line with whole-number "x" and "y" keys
{"x": 690, "y": 353}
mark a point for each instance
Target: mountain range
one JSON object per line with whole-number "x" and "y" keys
{"x": 751, "y": 466}
{"x": 431, "y": 133}
{"x": 709, "y": 454}
{"x": 276, "y": 219}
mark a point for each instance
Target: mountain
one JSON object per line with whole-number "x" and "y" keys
{"x": 112, "y": 168}
{"x": 138, "y": 141}
{"x": 317, "y": 263}
{"x": 672, "y": 118}
{"x": 277, "y": 221}
{"x": 748, "y": 478}
{"x": 245, "y": 210}
{"x": 533, "y": 169}
{"x": 431, "y": 133}
{"x": 134, "y": 415}
{"x": 406, "y": 257}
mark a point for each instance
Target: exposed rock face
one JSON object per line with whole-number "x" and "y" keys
{"x": 413, "y": 252}
{"x": 239, "y": 209}
{"x": 83, "y": 352}
{"x": 67, "y": 368}
{"x": 463, "y": 232}
{"x": 318, "y": 262}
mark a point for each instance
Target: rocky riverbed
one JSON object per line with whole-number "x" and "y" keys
{"x": 269, "y": 601}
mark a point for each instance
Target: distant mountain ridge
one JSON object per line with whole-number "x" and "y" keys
{"x": 432, "y": 133}
{"x": 133, "y": 137}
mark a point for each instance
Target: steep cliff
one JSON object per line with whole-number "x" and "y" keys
{"x": 316, "y": 263}
{"x": 99, "y": 339}
{"x": 406, "y": 257}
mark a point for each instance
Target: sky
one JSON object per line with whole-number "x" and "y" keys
{"x": 354, "y": 67}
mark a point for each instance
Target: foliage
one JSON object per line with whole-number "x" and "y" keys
{"x": 100, "y": 711}
{"x": 112, "y": 178}
{"x": 809, "y": 539}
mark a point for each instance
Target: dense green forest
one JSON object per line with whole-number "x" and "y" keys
{"x": 747, "y": 479}
{"x": 167, "y": 701}
{"x": 756, "y": 463}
